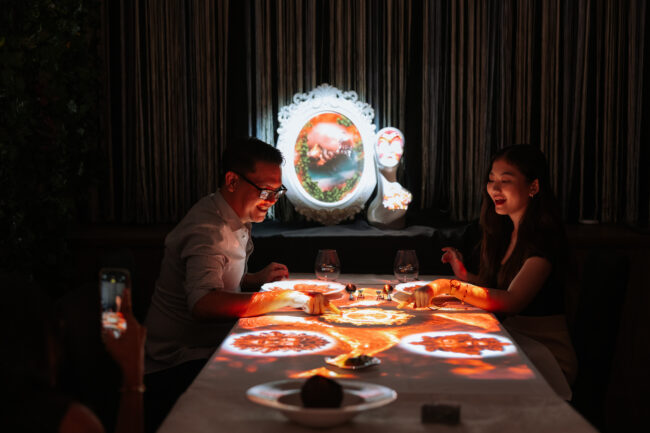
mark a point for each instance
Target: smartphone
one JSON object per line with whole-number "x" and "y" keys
{"x": 112, "y": 282}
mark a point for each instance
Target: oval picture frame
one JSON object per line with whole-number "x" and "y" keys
{"x": 328, "y": 139}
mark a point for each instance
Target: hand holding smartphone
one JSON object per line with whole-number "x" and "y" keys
{"x": 112, "y": 282}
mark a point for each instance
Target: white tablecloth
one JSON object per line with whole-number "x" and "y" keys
{"x": 504, "y": 394}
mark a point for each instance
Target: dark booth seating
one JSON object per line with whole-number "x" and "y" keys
{"x": 595, "y": 328}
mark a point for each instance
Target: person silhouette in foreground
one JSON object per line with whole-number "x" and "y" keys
{"x": 33, "y": 400}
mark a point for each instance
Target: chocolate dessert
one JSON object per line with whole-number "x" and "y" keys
{"x": 319, "y": 391}
{"x": 358, "y": 361}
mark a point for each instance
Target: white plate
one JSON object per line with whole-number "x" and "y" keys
{"x": 407, "y": 288}
{"x": 330, "y": 289}
{"x": 284, "y": 395}
{"x": 404, "y": 290}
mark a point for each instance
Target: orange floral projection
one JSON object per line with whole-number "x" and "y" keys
{"x": 461, "y": 343}
{"x": 278, "y": 342}
{"x": 275, "y": 341}
{"x": 409, "y": 338}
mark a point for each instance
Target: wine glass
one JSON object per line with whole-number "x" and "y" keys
{"x": 327, "y": 266}
{"x": 406, "y": 266}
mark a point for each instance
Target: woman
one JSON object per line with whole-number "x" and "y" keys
{"x": 523, "y": 258}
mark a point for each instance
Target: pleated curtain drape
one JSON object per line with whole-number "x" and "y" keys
{"x": 167, "y": 106}
{"x": 460, "y": 78}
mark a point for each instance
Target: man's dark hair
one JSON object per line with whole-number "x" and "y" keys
{"x": 242, "y": 154}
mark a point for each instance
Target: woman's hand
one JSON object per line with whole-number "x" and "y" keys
{"x": 128, "y": 349}
{"x": 422, "y": 296}
{"x": 455, "y": 259}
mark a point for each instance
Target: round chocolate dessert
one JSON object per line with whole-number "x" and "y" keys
{"x": 319, "y": 391}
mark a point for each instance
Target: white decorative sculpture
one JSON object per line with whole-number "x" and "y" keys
{"x": 388, "y": 208}
{"x": 328, "y": 142}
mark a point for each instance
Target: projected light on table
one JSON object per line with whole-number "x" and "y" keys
{"x": 368, "y": 317}
{"x": 278, "y": 343}
{"x": 467, "y": 344}
{"x": 458, "y": 344}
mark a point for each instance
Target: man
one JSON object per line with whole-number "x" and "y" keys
{"x": 198, "y": 292}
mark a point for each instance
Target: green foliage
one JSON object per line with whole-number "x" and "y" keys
{"x": 344, "y": 121}
{"x": 49, "y": 126}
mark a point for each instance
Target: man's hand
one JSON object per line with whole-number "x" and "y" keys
{"x": 311, "y": 303}
{"x": 271, "y": 272}
{"x": 316, "y": 304}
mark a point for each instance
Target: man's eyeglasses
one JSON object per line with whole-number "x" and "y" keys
{"x": 266, "y": 194}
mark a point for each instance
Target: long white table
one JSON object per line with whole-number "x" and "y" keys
{"x": 502, "y": 393}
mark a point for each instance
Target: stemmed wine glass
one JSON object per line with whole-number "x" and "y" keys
{"x": 406, "y": 267}
{"x": 327, "y": 266}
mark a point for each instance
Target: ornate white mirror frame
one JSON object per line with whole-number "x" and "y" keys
{"x": 328, "y": 141}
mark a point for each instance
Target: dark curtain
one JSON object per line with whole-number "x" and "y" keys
{"x": 460, "y": 78}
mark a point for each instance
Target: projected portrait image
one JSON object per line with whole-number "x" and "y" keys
{"x": 329, "y": 157}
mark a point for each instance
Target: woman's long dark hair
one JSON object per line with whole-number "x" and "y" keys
{"x": 541, "y": 231}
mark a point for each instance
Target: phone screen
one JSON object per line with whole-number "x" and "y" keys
{"x": 112, "y": 283}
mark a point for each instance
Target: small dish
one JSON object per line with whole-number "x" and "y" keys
{"x": 404, "y": 290}
{"x": 284, "y": 395}
{"x": 369, "y": 361}
{"x": 330, "y": 289}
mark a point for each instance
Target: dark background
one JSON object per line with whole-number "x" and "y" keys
{"x": 114, "y": 114}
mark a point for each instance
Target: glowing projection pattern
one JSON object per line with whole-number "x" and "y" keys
{"x": 278, "y": 343}
{"x": 329, "y": 157}
{"x": 458, "y": 344}
{"x": 368, "y": 317}
{"x": 395, "y": 197}
{"x": 478, "y": 351}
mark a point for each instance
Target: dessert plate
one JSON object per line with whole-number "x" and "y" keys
{"x": 284, "y": 396}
